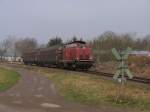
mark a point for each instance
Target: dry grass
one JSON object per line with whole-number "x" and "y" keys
{"x": 139, "y": 66}
{"x": 89, "y": 89}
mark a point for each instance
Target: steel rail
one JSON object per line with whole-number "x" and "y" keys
{"x": 135, "y": 78}
{"x": 98, "y": 73}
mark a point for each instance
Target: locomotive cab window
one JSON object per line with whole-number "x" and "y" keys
{"x": 80, "y": 44}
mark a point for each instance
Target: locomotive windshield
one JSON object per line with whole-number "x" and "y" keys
{"x": 76, "y": 44}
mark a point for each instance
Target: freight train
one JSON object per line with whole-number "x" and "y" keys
{"x": 73, "y": 55}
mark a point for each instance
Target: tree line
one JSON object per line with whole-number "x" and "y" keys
{"x": 101, "y": 45}
{"x": 12, "y": 46}
{"x": 16, "y": 47}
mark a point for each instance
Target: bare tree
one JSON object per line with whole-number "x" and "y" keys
{"x": 4, "y": 46}
{"x": 24, "y": 45}
{"x": 104, "y": 43}
{"x": 54, "y": 41}
{"x": 73, "y": 39}
{"x": 42, "y": 46}
{"x": 146, "y": 42}
{"x": 2, "y": 51}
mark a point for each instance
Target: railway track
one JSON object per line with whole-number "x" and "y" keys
{"x": 135, "y": 79}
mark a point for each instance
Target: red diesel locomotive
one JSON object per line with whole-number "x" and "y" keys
{"x": 73, "y": 55}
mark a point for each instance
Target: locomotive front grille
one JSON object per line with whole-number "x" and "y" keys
{"x": 81, "y": 57}
{"x": 87, "y": 56}
{"x": 84, "y": 57}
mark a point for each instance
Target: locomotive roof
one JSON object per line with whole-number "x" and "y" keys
{"x": 81, "y": 42}
{"x": 53, "y": 47}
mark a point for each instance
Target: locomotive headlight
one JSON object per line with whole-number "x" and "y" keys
{"x": 91, "y": 58}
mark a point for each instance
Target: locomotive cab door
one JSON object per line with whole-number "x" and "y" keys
{"x": 59, "y": 55}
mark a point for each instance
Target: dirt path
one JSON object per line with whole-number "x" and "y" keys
{"x": 35, "y": 93}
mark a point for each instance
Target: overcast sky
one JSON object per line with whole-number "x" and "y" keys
{"x": 84, "y": 18}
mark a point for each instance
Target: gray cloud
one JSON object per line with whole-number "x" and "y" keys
{"x": 85, "y": 18}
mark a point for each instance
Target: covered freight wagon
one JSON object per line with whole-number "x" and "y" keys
{"x": 44, "y": 56}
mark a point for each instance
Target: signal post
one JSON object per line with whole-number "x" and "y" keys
{"x": 122, "y": 70}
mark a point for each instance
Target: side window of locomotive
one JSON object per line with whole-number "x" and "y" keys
{"x": 76, "y": 45}
{"x": 82, "y": 45}
{"x": 71, "y": 45}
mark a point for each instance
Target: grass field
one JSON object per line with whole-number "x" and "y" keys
{"x": 8, "y": 78}
{"x": 83, "y": 88}
{"x": 92, "y": 90}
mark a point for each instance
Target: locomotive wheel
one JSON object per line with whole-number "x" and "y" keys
{"x": 74, "y": 67}
{"x": 60, "y": 65}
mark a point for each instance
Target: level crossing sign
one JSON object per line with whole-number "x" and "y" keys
{"x": 122, "y": 69}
